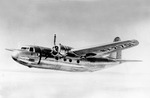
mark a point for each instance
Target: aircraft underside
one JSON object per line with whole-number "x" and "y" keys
{"x": 53, "y": 64}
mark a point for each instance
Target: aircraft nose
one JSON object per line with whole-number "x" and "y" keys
{"x": 15, "y": 55}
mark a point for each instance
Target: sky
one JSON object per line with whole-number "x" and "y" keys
{"x": 77, "y": 23}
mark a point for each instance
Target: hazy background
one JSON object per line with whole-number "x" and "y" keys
{"x": 77, "y": 23}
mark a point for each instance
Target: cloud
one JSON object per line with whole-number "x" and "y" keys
{"x": 65, "y": 85}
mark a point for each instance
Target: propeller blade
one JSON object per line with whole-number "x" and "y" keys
{"x": 54, "y": 39}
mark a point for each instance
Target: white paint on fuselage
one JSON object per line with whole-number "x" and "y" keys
{"x": 73, "y": 66}
{"x": 31, "y": 59}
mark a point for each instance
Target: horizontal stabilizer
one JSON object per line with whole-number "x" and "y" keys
{"x": 120, "y": 60}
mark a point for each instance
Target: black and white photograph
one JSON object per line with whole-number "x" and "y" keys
{"x": 74, "y": 49}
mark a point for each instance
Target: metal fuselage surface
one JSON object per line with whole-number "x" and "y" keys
{"x": 31, "y": 59}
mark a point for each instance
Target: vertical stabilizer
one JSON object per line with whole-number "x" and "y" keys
{"x": 118, "y": 54}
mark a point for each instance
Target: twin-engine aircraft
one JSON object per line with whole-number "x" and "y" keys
{"x": 66, "y": 58}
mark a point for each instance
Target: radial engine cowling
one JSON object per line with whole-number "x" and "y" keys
{"x": 55, "y": 50}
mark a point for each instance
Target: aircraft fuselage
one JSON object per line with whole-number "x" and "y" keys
{"x": 30, "y": 57}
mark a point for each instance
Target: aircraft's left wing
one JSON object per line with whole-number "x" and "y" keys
{"x": 10, "y": 49}
{"x": 107, "y": 48}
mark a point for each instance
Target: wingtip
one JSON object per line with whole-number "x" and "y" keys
{"x": 135, "y": 42}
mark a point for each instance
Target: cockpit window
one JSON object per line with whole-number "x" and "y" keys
{"x": 25, "y": 48}
{"x": 31, "y": 49}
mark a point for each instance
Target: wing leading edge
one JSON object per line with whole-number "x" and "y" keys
{"x": 107, "y": 48}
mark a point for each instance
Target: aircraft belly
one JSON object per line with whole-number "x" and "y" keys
{"x": 57, "y": 65}
{"x": 53, "y": 64}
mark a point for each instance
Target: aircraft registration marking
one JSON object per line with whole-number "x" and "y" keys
{"x": 120, "y": 46}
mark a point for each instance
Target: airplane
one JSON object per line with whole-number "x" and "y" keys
{"x": 66, "y": 58}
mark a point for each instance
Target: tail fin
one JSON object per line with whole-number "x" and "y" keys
{"x": 118, "y": 54}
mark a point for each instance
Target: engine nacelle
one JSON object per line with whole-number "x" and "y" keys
{"x": 65, "y": 48}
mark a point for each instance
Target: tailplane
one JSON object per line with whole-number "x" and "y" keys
{"x": 118, "y": 54}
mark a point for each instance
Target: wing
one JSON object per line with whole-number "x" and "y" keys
{"x": 10, "y": 49}
{"x": 107, "y": 48}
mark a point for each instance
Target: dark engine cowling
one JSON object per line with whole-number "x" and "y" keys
{"x": 55, "y": 50}
{"x": 65, "y": 48}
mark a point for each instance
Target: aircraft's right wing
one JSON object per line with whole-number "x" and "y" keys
{"x": 107, "y": 48}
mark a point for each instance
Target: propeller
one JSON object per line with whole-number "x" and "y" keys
{"x": 55, "y": 48}
{"x": 54, "y": 39}
{"x": 54, "y": 52}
